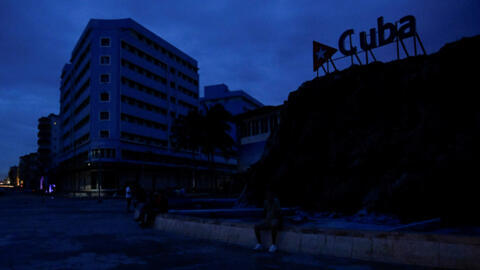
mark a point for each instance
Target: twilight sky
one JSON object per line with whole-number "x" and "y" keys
{"x": 262, "y": 47}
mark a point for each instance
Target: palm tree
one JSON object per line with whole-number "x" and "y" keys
{"x": 217, "y": 129}
{"x": 208, "y": 133}
{"x": 217, "y": 138}
{"x": 188, "y": 134}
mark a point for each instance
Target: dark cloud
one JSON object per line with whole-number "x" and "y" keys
{"x": 263, "y": 47}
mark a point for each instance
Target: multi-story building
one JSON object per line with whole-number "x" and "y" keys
{"x": 120, "y": 94}
{"x": 48, "y": 141}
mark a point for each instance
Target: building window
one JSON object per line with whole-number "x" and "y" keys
{"x": 105, "y": 78}
{"x": 105, "y": 42}
{"x": 104, "y": 59}
{"x": 104, "y": 133}
{"x": 104, "y": 96}
{"x": 104, "y": 116}
{"x": 172, "y": 85}
{"x": 102, "y": 153}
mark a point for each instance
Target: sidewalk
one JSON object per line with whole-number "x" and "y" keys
{"x": 80, "y": 234}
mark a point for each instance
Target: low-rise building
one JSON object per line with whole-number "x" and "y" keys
{"x": 254, "y": 129}
{"x": 253, "y": 122}
{"x": 236, "y": 102}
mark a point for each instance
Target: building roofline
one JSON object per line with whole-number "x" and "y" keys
{"x": 133, "y": 22}
{"x": 129, "y": 22}
{"x": 234, "y": 94}
{"x": 260, "y": 111}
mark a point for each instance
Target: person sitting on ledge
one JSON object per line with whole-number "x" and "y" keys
{"x": 158, "y": 204}
{"x": 272, "y": 221}
{"x": 145, "y": 210}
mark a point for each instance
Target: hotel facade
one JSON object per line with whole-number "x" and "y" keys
{"x": 121, "y": 92}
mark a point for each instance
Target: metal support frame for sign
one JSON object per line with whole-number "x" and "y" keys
{"x": 415, "y": 45}
{"x": 397, "y": 41}
{"x": 328, "y": 66}
{"x": 373, "y": 56}
{"x": 327, "y": 70}
{"x": 370, "y": 50}
{"x": 416, "y": 38}
{"x": 352, "y": 59}
{"x": 358, "y": 59}
{"x": 333, "y": 64}
{"x": 371, "y": 53}
{"x": 351, "y": 45}
{"x": 324, "y": 70}
{"x": 404, "y": 48}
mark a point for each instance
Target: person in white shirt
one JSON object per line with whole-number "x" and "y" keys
{"x": 128, "y": 196}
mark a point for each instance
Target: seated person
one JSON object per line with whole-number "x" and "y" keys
{"x": 156, "y": 203}
{"x": 141, "y": 201}
{"x": 272, "y": 221}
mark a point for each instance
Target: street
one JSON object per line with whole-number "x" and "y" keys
{"x": 64, "y": 233}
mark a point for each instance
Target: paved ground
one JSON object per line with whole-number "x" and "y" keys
{"x": 84, "y": 234}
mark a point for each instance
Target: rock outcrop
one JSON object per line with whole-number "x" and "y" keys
{"x": 398, "y": 138}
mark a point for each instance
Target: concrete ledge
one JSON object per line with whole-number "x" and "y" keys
{"x": 443, "y": 251}
{"x": 225, "y": 212}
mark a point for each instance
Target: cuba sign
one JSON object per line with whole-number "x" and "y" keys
{"x": 387, "y": 33}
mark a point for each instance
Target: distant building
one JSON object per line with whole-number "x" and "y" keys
{"x": 29, "y": 171}
{"x": 253, "y": 125}
{"x": 48, "y": 141}
{"x": 254, "y": 129}
{"x": 120, "y": 94}
{"x": 236, "y": 102}
{"x": 13, "y": 178}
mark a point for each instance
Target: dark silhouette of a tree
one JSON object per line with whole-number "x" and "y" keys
{"x": 206, "y": 133}
{"x": 217, "y": 128}
{"x": 188, "y": 135}
{"x": 188, "y": 132}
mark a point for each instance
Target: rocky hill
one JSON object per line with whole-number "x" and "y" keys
{"x": 398, "y": 138}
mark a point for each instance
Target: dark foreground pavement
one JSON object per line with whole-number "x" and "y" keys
{"x": 84, "y": 234}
